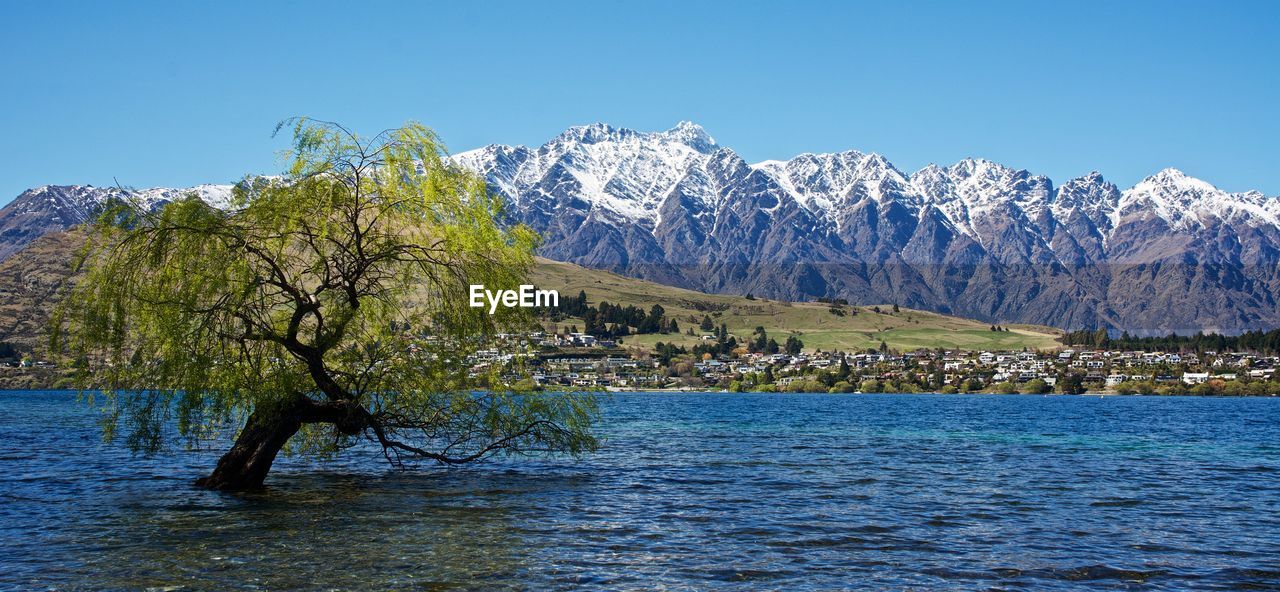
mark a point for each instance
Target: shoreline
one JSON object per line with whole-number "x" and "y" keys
{"x": 692, "y": 391}
{"x": 1088, "y": 394}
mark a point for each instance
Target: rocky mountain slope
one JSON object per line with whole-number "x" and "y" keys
{"x": 31, "y": 283}
{"x": 50, "y": 208}
{"x": 975, "y": 238}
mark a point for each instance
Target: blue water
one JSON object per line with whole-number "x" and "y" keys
{"x": 690, "y": 491}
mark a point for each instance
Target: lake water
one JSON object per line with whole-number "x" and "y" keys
{"x": 690, "y": 491}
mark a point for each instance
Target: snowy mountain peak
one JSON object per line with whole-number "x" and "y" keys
{"x": 1091, "y": 177}
{"x": 970, "y": 166}
{"x": 50, "y": 208}
{"x": 612, "y": 173}
{"x": 590, "y": 134}
{"x": 1175, "y": 180}
{"x": 824, "y": 183}
{"x": 692, "y": 135}
{"x": 1092, "y": 196}
{"x": 626, "y": 175}
{"x": 1185, "y": 202}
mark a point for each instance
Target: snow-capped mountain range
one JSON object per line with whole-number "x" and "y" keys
{"x": 625, "y": 175}
{"x": 975, "y": 238}
{"x": 59, "y": 207}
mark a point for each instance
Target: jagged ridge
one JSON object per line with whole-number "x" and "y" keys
{"x": 975, "y": 238}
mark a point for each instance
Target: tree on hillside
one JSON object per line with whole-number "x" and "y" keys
{"x": 706, "y": 325}
{"x": 653, "y": 322}
{"x": 759, "y": 341}
{"x": 285, "y": 314}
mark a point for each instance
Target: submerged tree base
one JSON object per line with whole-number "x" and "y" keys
{"x": 245, "y": 466}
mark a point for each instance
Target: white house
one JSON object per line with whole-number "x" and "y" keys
{"x": 1195, "y": 377}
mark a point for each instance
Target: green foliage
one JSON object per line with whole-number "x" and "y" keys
{"x": 611, "y": 320}
{"x": 1004, "y": 388}
{"x": 1131, "y": 387}
{"x": 1264, "y": 342}
{"x": 1035, "y": 386}
{"x": 340, "y": 287}
{"x": 1070, "y": 383}
{"x": 666, "y": 351}
{"x": 807, "y": 386}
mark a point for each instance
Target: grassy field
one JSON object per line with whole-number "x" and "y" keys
{"x": 29, "y": 284}
{"x": 811, "y": 322}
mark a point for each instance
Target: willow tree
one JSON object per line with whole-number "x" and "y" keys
{"x": 320, "y": 310}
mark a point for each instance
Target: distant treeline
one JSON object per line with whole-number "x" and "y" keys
{"x": 1266, "y": 343}
{"x": 612, "y": 320}
{"x": 725, "y": 344}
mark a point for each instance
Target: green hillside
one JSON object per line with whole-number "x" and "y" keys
{"x": 30, "y": 279}
{"x": 812, "y": 322}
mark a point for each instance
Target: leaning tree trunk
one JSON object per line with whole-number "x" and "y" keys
{"x": 245, "y": 466}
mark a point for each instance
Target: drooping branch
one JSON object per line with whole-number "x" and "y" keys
{"x": 335, "y": 294}
{"x": 503, "y": 443}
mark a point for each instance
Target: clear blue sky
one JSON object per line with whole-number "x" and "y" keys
{"x": 178, "y": 93}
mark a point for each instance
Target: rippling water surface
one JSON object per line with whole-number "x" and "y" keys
{"x": 690, "y": 491}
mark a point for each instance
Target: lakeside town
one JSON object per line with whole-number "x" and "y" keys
{"x": 578, "y": 360}
{"x": 575, "y": 360}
